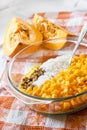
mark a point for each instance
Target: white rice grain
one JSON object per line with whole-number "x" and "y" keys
{"x": 52, "y": 67}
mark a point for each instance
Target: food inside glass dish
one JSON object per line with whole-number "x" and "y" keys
{"x": 54, "y": 79}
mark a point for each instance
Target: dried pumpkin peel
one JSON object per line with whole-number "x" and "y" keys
{"x": 19, "y": 34}
{"x": 51, "y": 31}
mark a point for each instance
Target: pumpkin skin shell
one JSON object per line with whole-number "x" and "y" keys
{"x": 19, "y": 34}
{"x": 51, "y": 31}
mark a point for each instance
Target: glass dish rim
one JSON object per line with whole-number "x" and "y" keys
{"x": 8, "y": 69}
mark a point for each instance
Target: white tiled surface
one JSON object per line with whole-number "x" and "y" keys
{"x": 24, "y": 8}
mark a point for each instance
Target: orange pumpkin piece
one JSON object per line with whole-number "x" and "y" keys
{"x": 19, "y": 34}
{"x": 51, "y": 31}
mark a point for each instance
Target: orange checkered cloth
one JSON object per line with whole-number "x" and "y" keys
{"x": 15, "y": 115}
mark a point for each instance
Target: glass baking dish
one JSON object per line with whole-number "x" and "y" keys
{"x": 20, "y": 64}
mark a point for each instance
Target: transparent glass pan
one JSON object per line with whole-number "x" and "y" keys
{"x": 20, "y": 64}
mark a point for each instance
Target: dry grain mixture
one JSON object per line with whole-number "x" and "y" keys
{"x": 40, "y": 73}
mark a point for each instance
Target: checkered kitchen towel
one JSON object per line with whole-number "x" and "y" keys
{"x": 15, "y": 115}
